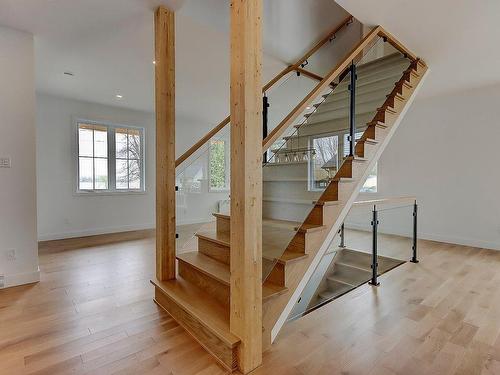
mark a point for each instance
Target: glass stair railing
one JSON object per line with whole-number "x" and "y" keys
{"x": 349, "y": 261}
{"x": 312, "y": 153}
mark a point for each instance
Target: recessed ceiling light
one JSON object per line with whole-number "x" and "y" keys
{"x": 154, "y": 62}
{"x": 69, "y": 74}
{"x": 118, "y": 96}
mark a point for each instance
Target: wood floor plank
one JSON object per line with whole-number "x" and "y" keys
{"x": 93, "y": 313}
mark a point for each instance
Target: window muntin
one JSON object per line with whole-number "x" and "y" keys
{"x": 110, "y": 158}
{"x": 93, "y": 157}
{"x": 128, "y": 158}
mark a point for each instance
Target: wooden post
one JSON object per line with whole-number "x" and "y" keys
{"x": 165, "y": 143}
{"x": 246, "y": 180}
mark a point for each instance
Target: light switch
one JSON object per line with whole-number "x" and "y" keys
{"x": 4, "y": 162}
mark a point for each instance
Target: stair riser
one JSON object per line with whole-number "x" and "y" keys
{"x": 223, "y": 225}
{"x": 285, "y": 211}
{"x": 343, "y": 99}
{"x": 372, "y": 79}
{"x": 365, "y": 150}
{"x": 214, "y": 250}
{"x": 284, "y": 171}
{"x": 226, "y": 355}
{"x": 350, "y": 275}
{"x": 278, "y": 275}
{"x": 291, "y": 190}
{"x": 214, "y": 287}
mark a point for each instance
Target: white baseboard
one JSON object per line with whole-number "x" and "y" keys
{"x": 470, "y": 242}
{"x": 22, "y": 278}
{"x": 94, "y": 232}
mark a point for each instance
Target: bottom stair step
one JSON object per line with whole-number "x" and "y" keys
{"x": 201, "y": 315}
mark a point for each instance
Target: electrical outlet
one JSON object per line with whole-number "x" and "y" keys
{"x": 5, "y": 162}
{"x": 11, "y": 255}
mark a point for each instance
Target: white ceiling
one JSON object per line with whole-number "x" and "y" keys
{"x": 459, "y": 39}
{"x": 108, "y": 45}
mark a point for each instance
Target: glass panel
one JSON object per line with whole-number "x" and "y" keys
{"x": 85, "y": 141}
{"x": 121, "y": 143}
{"x": 101, "y": 174}
{"x": 86, "y": 172}
{"x": 203, "y": 190}
{"x": 347, "y": 262}
{"x": 121, "y": 174}
{"x": 333, "y": 51}
{"x": 285, "y": 95}
{"x": 135, "y": 174}
{"x": 395, "y": 232}
{"x": 101, "y": 143}
{"x": 134, "y": 144}
{"x": 217, "y": 163}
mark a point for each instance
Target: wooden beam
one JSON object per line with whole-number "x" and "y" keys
{"x": 165, "y": 143}
{"x": 246, "y": 181}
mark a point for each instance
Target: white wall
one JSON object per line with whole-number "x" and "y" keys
{"x": 17, "y": 184}
{"x": 445, "y": 153}
{"x": 61, "y": 212}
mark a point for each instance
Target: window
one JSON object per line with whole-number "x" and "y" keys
{"x": 218, "y": 165}
{"x": 326, "y": 161}
{"x": 370, "y": 185}
{"x": 110, "y": 158}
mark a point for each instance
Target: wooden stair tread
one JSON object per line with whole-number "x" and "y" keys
{"x": 271, "y": 290}
{"x": 221, "y": 238}
{"x": 308, "y": 228}
{"x": 223, "y": 216}
{"x": 209, "y": 266}
{"x": 326, "y": 203}
{"x": 287, "y": 257}
{"x": 201, "y": 306}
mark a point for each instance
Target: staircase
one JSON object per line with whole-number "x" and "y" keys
{"x": 298, "y": 222}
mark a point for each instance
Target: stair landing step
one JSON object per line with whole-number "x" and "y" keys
{"x": 221, "y": 238}
{"x": 221, "y": 272}
{"x": 309, "y": 228}
{"x": 210, "y": 267}
{"x": 199, "y": 304}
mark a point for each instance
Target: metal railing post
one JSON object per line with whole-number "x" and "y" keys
{"x": 414, "y": 247}
{"x": 352, "y": 110}
{"x": 342, "y": 236}
{"x": 265, "y": 106}
{"x": 374, "y": 266}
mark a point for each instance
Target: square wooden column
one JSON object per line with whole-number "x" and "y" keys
{"x": 246, "y": 180}
{"x": 165, "y": 143}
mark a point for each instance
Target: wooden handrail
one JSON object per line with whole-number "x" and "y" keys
{"x": 272, "y": 82}
{"x": 320, "y": 43}
{"x": 330, "y": 77}
{"x": 390, "y": 200}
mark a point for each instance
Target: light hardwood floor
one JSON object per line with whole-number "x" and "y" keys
{"x": 93, "y": 313}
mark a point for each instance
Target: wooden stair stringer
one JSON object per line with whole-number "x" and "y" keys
{"x": 276, "y": 312}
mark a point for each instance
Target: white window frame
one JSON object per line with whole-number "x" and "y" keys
{"x": 111, "y": 190}
{"x": 311, "y": 160}
{"x": 226, "y": 166}
{"x": 341, "y": 146}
